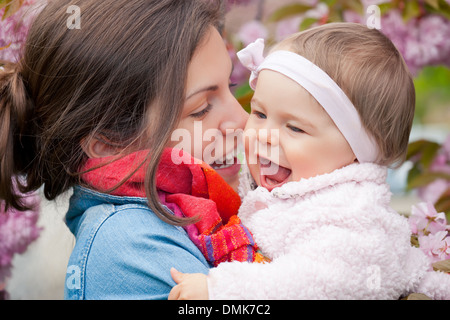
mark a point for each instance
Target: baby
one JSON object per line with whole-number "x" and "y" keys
{"x": 334, "y": 105}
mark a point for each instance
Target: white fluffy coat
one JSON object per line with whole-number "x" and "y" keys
{"x": 333, "y": 236}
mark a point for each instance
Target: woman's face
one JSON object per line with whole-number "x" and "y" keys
{"x": 212, "y": 119}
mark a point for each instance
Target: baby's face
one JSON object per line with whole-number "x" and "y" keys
{"x": 289, "y": 136}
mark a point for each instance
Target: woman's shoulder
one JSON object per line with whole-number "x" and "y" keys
{"x": 134, "y": 222}
{"x": 91, "y": 212}
{"x": 128, "y": 244}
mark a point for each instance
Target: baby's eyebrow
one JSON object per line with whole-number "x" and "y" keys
{"x": 301, "y": 119}
{"x": 307, "y": 124}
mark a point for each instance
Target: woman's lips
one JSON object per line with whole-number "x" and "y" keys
{"x": 229, "y": 167}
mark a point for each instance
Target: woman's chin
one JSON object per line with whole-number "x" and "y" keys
{"x": 231, "y": 178}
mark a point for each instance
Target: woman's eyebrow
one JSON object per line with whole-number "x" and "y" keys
{"x": 209, "y": 88}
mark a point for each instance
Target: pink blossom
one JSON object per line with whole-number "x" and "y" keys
{"x": 446, "y": 147}
{"x": 240, "y": 73}
{"x": 238, "y": 2}
{"x": 310, "y": 3}
{"x": 229, "y": 4}
{"x": 425, "y": 219}
{"x": 286, "y": 27}
{"x": 367, "y": 3}
{"x": 251, "y": 31}
{"x": 436, "y": 246}
{"x": 433, "y": 191}
{"x": 14, "y": 29}
{"x": 440, "y": 164}
{"x": 352, "y": 16}
{"x": 17, "y": 230}
{"x": 318, "y": 12}
{"x": 421, "y": 41}
{"x": 433, "y": 32}
{"x": 427, "y": 41}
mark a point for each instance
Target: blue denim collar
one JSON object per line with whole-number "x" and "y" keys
{"x": 83, "y": 198}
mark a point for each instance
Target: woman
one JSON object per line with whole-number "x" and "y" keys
{"x": 132, "y": 74}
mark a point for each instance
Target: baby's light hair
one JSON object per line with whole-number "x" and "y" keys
{"x": 371, "y": 71}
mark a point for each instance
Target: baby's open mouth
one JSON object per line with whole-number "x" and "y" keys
{"x": 273, "y": 175}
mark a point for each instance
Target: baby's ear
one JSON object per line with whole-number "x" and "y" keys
{"x": 98, "y": 147}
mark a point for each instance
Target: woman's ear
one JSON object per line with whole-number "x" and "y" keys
{"x": 95, "y": 147}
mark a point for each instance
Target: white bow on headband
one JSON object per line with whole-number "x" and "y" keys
{"x": 320, "y": 86}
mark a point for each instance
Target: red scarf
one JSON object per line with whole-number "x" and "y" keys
{"x": 189, "y": 189}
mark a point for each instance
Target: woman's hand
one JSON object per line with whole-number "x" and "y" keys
{"x": 190, "y": 286}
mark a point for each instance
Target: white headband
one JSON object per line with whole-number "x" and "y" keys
{"x": 320, "y": 86}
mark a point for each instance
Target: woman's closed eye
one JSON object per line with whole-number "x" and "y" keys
{"x": 202, "y": 112}
{"x": 208, "y": 108}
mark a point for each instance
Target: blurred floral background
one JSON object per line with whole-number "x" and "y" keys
{"x": 421, "y": 31}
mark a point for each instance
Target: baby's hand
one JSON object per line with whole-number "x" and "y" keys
{"x": 190, "y": 286}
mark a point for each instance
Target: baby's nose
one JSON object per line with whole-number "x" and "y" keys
{"x": 269, "y": 136}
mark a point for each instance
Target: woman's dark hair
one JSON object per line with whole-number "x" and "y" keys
{"x": 121, "y": 77}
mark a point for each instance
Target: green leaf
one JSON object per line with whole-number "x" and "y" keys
{"x": 433, "y": 3}
{"x": 329, "y": 3}
{"x": 413, "y": 173}
{"x": 428, "y": 149}
{"x": 415, "y": 148}
{"x": 429, "y": 153}
{"x": 355, "y": 5}
{"x": 288, "y": 11}
{"x": 411, "y": 10}
{"x": 4, "y": 3}
{"x": 385, "y": 7}
{"x": 244, "y": 95}
{"x": 335, "y": 16}
{"x": 444, "y": 9}
{"x": 443, "y": 203}
{"x": 11, "y": 8}
{"x": 306, "y": 23}
{"x": 243, "y": 90}
{"x": 426, "y": 178}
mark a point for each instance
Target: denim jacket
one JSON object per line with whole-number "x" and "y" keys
{"x": 123, "y": 250}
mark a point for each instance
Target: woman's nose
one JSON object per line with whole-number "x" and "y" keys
{"x": 235, "y": 117}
